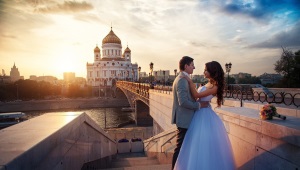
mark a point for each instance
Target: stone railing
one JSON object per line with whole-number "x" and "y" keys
{"x": 63, "y": 140}
{"x": 257, "y": 144}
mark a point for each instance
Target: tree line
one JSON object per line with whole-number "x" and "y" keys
{"x": 31, "y": 89}
{"x": 288, "y": 66}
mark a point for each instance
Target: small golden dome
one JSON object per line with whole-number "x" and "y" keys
{"x": 97, "y": 49}
{"x": 127, "y": 50}
{"x": 111, "y": 38}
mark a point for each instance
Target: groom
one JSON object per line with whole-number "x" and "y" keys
{"x": 184, "y": 105}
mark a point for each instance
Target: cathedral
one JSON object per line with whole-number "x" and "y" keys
{"x": 111, "y": 64}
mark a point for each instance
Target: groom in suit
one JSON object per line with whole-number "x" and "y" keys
{"x": 184, "y": 105}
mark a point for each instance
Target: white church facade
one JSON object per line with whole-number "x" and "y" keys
{"x": 110, "y": 64}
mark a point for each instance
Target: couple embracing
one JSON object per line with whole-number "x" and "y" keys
{"x": 202, "y": 141}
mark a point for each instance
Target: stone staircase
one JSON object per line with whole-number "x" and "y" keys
{"x": 136, "y": 161}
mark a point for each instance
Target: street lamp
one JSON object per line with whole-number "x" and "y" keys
{"x": 139, "y": 69}
{"x": 127, "y": 75}
{"x": 228, "y": 68}
{"x": 151, "y": 70}
{"x": 17, "y": 92}
{"x": 156, "y": 76}
{"x": 132, "y": 71}
{"x": 164, "y": 73}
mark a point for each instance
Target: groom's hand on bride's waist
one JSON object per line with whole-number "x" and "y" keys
{"x": 204, "y": 104}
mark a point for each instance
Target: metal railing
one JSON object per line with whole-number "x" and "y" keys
{"x": 138, "y": 88}
{"x": 242, "y": 95}
{"x": 269, "y": 97}
{"x": 156, "y": 139}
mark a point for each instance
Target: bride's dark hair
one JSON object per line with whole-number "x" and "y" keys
{"x": 217, "y": 75}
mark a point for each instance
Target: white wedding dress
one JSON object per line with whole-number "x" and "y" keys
{"x": 206, "y": 145}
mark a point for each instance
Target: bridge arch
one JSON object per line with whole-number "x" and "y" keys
{"x": 138, "y": 98}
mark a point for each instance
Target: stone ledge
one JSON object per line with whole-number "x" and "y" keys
{"x": 50, "y": 141}
{"x": 287, "y": 130}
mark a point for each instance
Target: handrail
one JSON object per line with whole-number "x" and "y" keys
{"x": 168, "y": 141}
{"x": 159, "y": 136}
{"x": 154, "y": 138}
{"x": 149, "y": 143}
{"x": 288, "y": 99}
{"x": 269, "y": 97}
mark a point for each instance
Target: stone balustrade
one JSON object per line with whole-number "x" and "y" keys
{"x": 257, "y": 144}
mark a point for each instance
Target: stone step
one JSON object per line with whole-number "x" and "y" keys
{"x": 134, "y": 161}
{"x": 144, "y": 167}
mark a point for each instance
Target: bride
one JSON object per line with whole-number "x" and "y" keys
{"x": 206, "y": 145}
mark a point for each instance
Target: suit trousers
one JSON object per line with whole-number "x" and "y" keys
{"x": 180, "y": 137}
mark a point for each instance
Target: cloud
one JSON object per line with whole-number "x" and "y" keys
{"x": 197, "y": 44}
{"x": 289, "y": 38}
{"x": 87, "y": 17}
{"x": 261, "y": 10}
{"x": 7, "y": 36}
{"x": 66, "y": 7}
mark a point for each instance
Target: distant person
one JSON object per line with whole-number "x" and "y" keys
{"x": 184, "y": 104}
{"x": 206, "y": 145}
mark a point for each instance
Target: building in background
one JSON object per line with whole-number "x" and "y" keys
{"x": 69, "y": 77}
{"x": 15, "y": 74}
{"x": 267, "y": 78}
{"x": 50, "y": 79}
{"x": 240, "y": 75}
{"x": 111, "y": 64}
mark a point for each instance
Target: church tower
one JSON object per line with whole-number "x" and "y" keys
{"x": 97, "y": 54}
{"x": 127, "y": 54}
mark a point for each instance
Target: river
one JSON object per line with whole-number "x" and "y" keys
{"x": 114, "y": 116}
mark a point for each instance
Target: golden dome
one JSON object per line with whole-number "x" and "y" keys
{"x": 97, "y": 49}
{"x": 127, "y": 50}
{"x": 111, "y": 38}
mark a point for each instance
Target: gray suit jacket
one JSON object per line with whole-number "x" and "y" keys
{"x": 184, "y": 105}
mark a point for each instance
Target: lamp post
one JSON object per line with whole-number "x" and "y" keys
{"x": 151, "y": 70}
{"x": 164, "y": 73}
{"x": 175, "y": 72}
{"x": 228, "y": 68}
{"x": 127, "y": 75}
{"x": 132, "y": 71}
{"x": 17, "y": 92}
{"x": 156, "y": 76}
{"x": 139, "y": 69}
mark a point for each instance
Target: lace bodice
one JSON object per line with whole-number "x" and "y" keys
{"x": 207, "y": 98}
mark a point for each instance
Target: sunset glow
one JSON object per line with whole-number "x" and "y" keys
{"x": 46, "y": 37}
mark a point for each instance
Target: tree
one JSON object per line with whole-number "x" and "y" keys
{"x": 288, "y": 65}
{"x": 231, "y": 80}
{"x": 250, "y": 80}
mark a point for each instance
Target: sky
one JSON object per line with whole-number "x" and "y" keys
{"x": 49, "y": 37}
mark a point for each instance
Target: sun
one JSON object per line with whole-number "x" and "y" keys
{"x": 66, "y": 62}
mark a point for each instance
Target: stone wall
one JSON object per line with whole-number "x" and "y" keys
{"x": 87, "y": 103}
{"x": 161, "y": 108}
{"x": 64, "y": 140}
{"x": 257, "y": 144}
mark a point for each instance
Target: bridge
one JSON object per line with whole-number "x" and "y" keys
{"x": 72, "y": 140}
{"x": 138, "y": 98}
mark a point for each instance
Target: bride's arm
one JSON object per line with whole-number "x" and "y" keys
{"x": 204, "y": 93}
